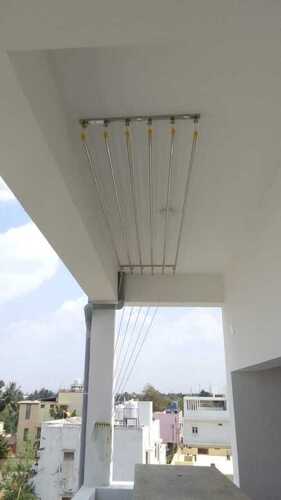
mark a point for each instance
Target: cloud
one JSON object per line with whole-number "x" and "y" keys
{"x": 184, "y": 350}
{"x": 5, "y": 193}
{"x": 27, "y": 261}
{"x": 45, "y": 352}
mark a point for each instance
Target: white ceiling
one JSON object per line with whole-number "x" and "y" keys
{"x": 68, "y": 59}
{"x": 234, "y": 83}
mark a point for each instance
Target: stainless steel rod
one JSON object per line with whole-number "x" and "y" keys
{"x": 123, "y": 229}
{"x": 132, "y": 188}
{"x": 126, "y": 266}
{"x": 186, "y": 190}
{"x": 150, "y": 193}
{"x": 99, "y": 189}
{"x": 172, "y": 144}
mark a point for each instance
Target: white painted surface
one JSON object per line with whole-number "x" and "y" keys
{"x": 236, "y": 100}
{"x": 145, "y": 413}
{"x": 204, "y": 423}
{"x": 58, "y": 476}
{"x": 138, "y": 443}
{"x": 223, "y": 464}
{"x": 99, "y": 429}
{"x": 128, "y": 450}
{"x": 45, "y": 168}
{"x": 181, "y": 290}
{"x": 215, "y": 433}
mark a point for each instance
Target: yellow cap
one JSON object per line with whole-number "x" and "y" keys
{"x": 127, "y": 132}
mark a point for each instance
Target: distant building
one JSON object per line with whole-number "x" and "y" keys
{"x": 31, "y": 416}
{"x": 136, "y": 440}
{"x": 170, "y": 426}
{"x": 206, "y": 423}
{"x": 33, "y": 413}
{"x": 58, "y": 467}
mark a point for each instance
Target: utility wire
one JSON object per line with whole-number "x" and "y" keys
{"x": 119, "y": 329}
{"x": 135, "y": 347}
{"x": 139, "y": 350}
{"x": 123, "y": 339}
{"x": 134, "y": 328}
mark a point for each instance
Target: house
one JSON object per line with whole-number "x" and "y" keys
{"x": 58, "y": 464}
{"x": 136, "y": 441}
{"x": 33, "y": 413}
{"x": 206, "y": 424}
{"x": 31, "y": 416}
{"x": 170, "y": 426}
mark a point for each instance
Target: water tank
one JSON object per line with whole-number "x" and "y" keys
{"x": 131, "y": 409}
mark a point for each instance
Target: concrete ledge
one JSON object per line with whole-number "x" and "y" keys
{"x": 117, "y": 491}
{"x": 166, "y": 482}
{"x": 85, "y": 494}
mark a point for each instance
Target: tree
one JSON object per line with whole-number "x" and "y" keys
{"x": 160, "y": 401}
{"x": 43, "y": 393}
{"x": 4, "y": 448}
{"x": 16, "y": 481}
{"x": 58, "y": 412}
{"x": 11, "y": 394}
{"x": 204, "y": 394}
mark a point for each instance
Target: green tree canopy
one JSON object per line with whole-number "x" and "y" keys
{"x": 4, "y": 448}
{"x": 17, "y": 476}
{"x": 42, "y": 393}
{"x": 11, "y": 394}
{"x": 160, "y": 401}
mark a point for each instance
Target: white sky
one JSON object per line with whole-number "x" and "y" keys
{"x": 42, "y": 328}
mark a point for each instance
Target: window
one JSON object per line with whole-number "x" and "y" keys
{"x": 25, "y": 434}
{"x": 203, "y": 451}
{"x": 194, "y": 430}
{"x": 42, "y": 406}
{"x": 27, "y": 411}
{"x": 220, "y": 425}
{"x": 68, "y": 456}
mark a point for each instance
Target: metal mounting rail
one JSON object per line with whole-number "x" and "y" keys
{"x": 138, "y": 118}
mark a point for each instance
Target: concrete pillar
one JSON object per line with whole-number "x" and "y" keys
{"x": 98, "y": 437}
{"x": 257, "y": 406}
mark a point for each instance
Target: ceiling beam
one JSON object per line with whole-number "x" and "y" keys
{"x": 41, "y": 165}
{"x": 202, "y": 290}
